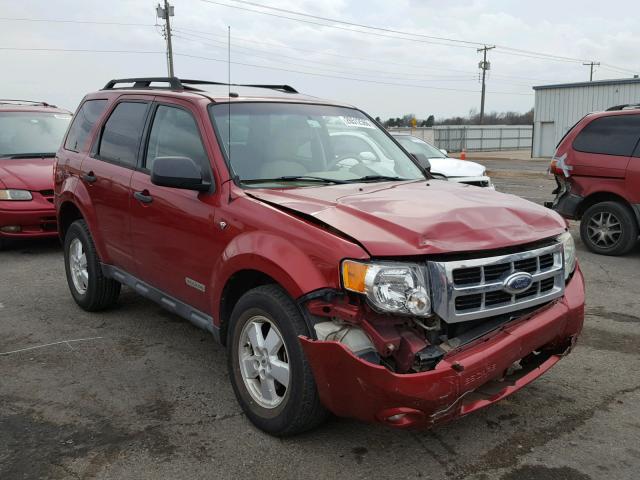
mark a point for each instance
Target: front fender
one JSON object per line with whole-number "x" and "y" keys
{"x": 276, "y": 257}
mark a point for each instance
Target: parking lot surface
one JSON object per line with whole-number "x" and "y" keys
{"x": 143, "y": 394}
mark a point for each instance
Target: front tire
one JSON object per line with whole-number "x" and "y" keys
{"x": 609, "y": 228}
{"x": 89, "y": 287}
{"x": 270, "y": 374}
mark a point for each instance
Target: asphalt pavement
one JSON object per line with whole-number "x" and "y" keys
{"x": 138, "y": 393}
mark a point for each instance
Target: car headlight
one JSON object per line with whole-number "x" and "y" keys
{"x": 389, "y": 287}
{"x": 19, "y": 195}
{"x": 569, "y": 249}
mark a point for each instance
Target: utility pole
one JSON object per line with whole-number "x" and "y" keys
{"x": 165, "y": 13}
{"x": 591, "y": 65}
{"x": 484, "y": 66}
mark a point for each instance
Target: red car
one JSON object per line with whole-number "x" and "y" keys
{"x": 30, "y": 135}
{"x": 337, "y": 283}
{"x": 597, "y": 168}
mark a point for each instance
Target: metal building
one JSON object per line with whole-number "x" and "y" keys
{"x": 559, "y": 107}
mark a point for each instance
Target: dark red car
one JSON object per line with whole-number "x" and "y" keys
{"x": 597, "y": 168}
{"x": 336, "y": 281}
{"x": 30, "y": 135}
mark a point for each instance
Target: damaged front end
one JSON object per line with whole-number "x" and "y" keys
{"x": 478, "y": 342}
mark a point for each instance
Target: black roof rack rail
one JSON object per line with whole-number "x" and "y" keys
{"x": 182, "y": 84}
{"x": 623, "y": 107}
{"x": 10, "y": 101}
{"x": 145, "y": 82}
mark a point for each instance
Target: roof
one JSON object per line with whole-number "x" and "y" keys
{"x": 595, "y": 83}
{"x": 212, "y": 91}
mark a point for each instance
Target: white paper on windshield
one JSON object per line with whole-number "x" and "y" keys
{"x": 357, "y": 122}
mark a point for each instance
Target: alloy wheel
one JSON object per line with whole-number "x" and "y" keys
{"x": 264, "y": 362}
{"x": 604, "y": 229}
{"x": 78, "y": 266}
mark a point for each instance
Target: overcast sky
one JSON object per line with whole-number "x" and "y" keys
{"x": 437, "y": 79}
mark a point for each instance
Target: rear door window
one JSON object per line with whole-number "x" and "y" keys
{"x": 82, "y": 124}
{"x": 121, "y": 135}
{"x": 615, "y": 135}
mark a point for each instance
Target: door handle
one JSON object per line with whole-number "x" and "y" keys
{"x": 89, "y": 177}
{"x": 143, "y": 196}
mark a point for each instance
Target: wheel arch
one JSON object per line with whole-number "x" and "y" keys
{"x": 599, "y": 197}
{"x": 67, "y": 214}
{"x": 259, "y": 258}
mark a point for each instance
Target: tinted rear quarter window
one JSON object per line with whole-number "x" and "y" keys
{"x": 615, "y": 135}
{"x": 122, "y": 133}
{"x": 82, "y": 124}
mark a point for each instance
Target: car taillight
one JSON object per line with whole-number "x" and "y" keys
{"x": 553, "y": 167}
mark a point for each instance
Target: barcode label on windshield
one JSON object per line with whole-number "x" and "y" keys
{"x": 357, "y": 122}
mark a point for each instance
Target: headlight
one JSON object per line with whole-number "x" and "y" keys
{"x": 19, "y": 195}
{"x": 389, "y": 287}
{"x": 569, "y": 248}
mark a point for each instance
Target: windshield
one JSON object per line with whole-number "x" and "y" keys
{"x": 24, "y": 134}
{"x": 418, "y": 147}
{"x": 286, "y": 142}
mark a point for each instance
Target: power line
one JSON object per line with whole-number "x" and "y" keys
{"x": 89, "y": 22}
{"x": 360, "y": 25}
{"x": 347, "y": 78}
{"x": 453, "y": 41}
{"x": 363, "y": 71}
{"x": 352, "y": 71}
{"x": 86, "y": 50}
{"x": 206, "y": 35}
{"x": 77, "y": 50}
{"x": 335, "y": 26}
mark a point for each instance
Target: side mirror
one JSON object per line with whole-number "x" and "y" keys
{"x": 178, "y": 172}
{"x": 423, "y": 161}
{"x": 444, "y": 151}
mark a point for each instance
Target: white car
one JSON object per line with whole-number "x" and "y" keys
{"x": 462, "y": 171}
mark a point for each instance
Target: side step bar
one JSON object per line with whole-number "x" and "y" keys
{"x": 198, "y": 318}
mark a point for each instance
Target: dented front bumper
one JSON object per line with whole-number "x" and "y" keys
{"x": 461, "y": 383}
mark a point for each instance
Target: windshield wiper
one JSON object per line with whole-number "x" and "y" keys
{"x": 293, "y": 178}
{"x": 382, "y": 178}
{"x": 29, "y": 155}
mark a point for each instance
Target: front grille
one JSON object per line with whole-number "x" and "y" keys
{"x": 472, "y": 289}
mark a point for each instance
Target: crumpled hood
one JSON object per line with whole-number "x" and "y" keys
{"x": 452, "y": 167}
{"x": 27, "y": 174}
{"x": 420, "y": 217}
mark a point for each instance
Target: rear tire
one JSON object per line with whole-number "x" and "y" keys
{"x": 609, "y": 228}
{"x": 278, "y": 404}
{"x": 89, "y": 287}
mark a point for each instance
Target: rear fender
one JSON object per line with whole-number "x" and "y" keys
{"x": 77, "y": 195}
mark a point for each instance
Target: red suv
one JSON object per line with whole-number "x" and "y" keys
{"x": 336, "y": 281}
{"x": 597, "y": 168}
{"x": 30, "y": 135}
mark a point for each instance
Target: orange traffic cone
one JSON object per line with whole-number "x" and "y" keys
{"x": 463, "y": 154}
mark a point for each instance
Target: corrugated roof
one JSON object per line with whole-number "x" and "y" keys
{"x": 595, "y": 83}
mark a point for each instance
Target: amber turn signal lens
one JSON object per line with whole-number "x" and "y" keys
{"x": 353, "y": 275}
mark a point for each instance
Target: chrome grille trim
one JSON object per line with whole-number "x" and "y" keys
{"x": 445, "y": 291}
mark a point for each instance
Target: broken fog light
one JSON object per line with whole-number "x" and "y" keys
{"x": 389, "y": 287}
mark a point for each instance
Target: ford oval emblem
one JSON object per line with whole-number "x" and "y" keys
{"x": 517, "y": 282}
